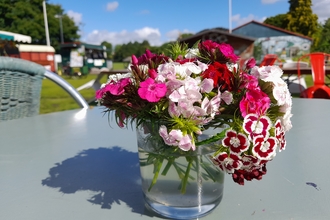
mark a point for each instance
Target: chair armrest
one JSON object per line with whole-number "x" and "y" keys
{"x": 67, "y": 87}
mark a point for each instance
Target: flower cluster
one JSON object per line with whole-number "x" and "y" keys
{"x": 201, "y": 88}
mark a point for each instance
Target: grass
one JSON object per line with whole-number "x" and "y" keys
{"x": 55, "y": 99}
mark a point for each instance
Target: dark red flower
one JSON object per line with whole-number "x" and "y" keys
{"x": 240, "y": 175}
{"x": 221, "y": 76}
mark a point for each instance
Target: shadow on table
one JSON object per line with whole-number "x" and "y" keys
{"x": 112, "y": 173}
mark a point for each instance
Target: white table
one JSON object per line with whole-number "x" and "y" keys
{"x": 72, "y": 165}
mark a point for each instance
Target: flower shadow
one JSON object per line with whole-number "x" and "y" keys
{"x": 113, "y": 174}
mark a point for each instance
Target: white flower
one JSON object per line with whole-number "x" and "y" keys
{"x": 186, "y": 69}
{"x": 267, "y": 73}
{"x": 117, "y": 77}
{"x": 281, "y": 91}
{"x": 192, "y": 53}
{"x": 232, "y": 66}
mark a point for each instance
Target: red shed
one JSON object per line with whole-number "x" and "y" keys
{"x": 41, "y": 54}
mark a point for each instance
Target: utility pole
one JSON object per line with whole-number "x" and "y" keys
{"x": 229, "y": 3}
{"x": 46, "y": 23}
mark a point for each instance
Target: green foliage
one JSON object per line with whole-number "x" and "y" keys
{"x": 280, "y": 20}
{"x": 27, "y": 17}
{"x": 109, "y": 49}
{"x": 178, "y": 50}
{"x": 323, "y": 43}
{"x": 163, "y": 49}
{"x": 301, "y": 18}
{"x": 257, "y": 51}
{"x": 126, "y": 50}
{"x": 185, "y": 35}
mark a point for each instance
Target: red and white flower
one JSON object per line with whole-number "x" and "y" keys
{"x": 228, "y": 162}
{"x": 237, "y": 142}
{"x": 255, "y": 125}
{"x": 264, "y": 148}
{"x": 280, "y": 135}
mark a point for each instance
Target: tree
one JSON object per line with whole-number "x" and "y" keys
{"x": 323, "y": 44}
{"x": 126, "y": 50}
{"x": 301, "y": 18}
{"x": 27, "y": 17}
{"x": 163, "y": 49}
{"x": 280, "y": 20}
{"x": 184, "y": 35}
{"x": 109, "y": 49}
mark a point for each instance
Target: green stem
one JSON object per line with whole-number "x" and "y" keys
{"x": 186, "y": 176}
{"x": 157, "y": 166}
{"x": 178, "y": 170}
{"x": 168, "y": 166}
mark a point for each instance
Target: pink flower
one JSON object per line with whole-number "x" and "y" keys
{"x": 237, "y": 142}
{"x": 117, "y": 88}
{"x": 249, "y": 81}
{"x": 228, "y": 52}
{"x": 135, "y": 60}
{"x": 172, "y": 137}
{"x": 121, "y": 119}
{"x": 250, "y": 63}
{"x": 254, "y": 102}
{"x": 152, "y": 91}
{"x": 177, "y": 138}
{"x": 152, "y": 73}
{"x": 99, "y": 93}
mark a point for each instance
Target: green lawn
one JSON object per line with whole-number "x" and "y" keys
{"x": 54, "y": 98}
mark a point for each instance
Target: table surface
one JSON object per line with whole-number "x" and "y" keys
{"x": 74, "y": 165}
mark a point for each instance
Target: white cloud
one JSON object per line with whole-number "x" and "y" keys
{"x": 269, "y": 1}
{"x": 77, "y": 17}
{"x": 239, "y": 21}
{"x": 321, "y": 8}
{"x": 152, "y": 35}
{"x": 112, "y": 6}
{"x": 174, "y": 34}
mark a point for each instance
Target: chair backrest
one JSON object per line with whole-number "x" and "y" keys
{"x": 20, "y": 88}
{"x": 269, "y": 59}
{"x": 317, "y": 62}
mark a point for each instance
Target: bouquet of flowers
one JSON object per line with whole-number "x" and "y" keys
{"x": 200, "y": 88}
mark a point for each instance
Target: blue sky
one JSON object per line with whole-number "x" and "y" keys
{"x": 160, "y": 21}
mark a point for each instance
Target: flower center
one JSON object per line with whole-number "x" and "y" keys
{"x": 265, "y": 147}
{"x": 235, "y": 142}
{"x": 258, "y": 127}
{"x": 151, "y": 87}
